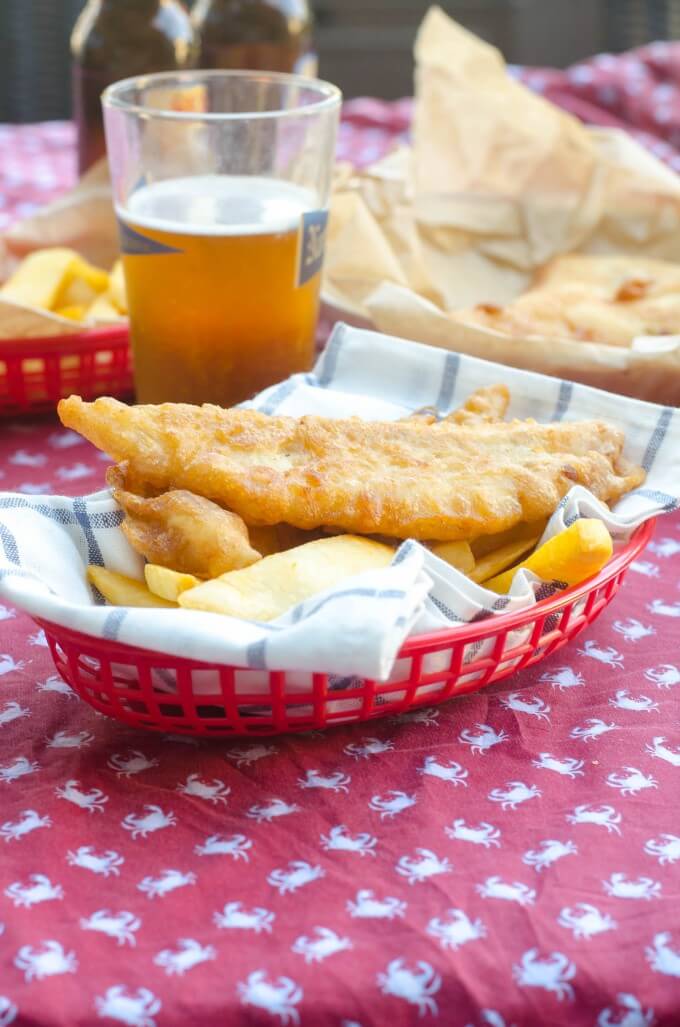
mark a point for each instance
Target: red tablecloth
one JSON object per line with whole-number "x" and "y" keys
{"x": 507, "y": 859}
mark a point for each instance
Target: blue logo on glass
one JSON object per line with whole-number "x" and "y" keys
{"x": 313, "y": 242}
{"x": 135, "y": 244}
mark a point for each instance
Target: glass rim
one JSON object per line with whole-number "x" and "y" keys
{"x": 330, "y": 97}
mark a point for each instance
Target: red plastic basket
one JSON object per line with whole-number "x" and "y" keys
{"x": 36, "y": 373}
{"x": 166, "y": 693}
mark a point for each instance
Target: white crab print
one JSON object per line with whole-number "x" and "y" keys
{"x": 484, "y": 739}
{"x": 629, "y": 1014}
{"x": 326, "y": 944}
{"x": 189, "y": 953}
{"x": 602, "y": 816}
{"x": 514, "y": 793}
{"x": 660, "y": 750}
{"x": 666, "y": 848}
{"x": 429, "y": 716}
{"x": 155, "y": 819}
{"x": 416, "y": 986}
{"x": 169, "y": 880}
{"x": 585, "y": 920}
{"x": 646, "y": 568}
{"x": 91, "y": 801}
{"x": 38, "y": 889}
{"x": 62, "y": 740}
{"x": 569, "y": 767}
{"x": 392, "y": 803}
{"x": 105, "y": 864}
{"x": 298, "y": 874}
{"x": 30, "y": 820}
{"x": 58, "y": 685}
{"x": 665, "y": 676}
{"x": 457, "y": 930}
{"x": 552, "y": 973}
{"x": 632, "y": 782}
{"x": 663, "y": 958}
{"x": 20, "y": 768}
{"x": 609, "y": 656}
{"x": 665, "y": 547}
{"x": 235, "y": 916}
{"x": 449, "y": 771}
{"x": 621, "y": 887}
{"x": 131, "y": 762}
{"x": 13, "y": 711}
{"x": 120, "y": 926}
{"x": 548, "y": 852}
{"x": 236, "y": 846}
{"x": 423, "y": 865}
{"x": 483, "y": 834}
{"x": 49, "y": 960}
{"x": 264, "y": 813}
{"x": 664, "y": 609}
{"x": 515, "y": 891}
{"x": 8, "y": 1011}
{"x": 64, "y": 439}
{"x": 214, "y": 792}
{"x": 594, "y": 727}
{"x": 366, "y": 906}
{"x": 338, "y": 840}
{"x": 534, "y": 707}
{"x": 135, "y": 1009}
{"x": 490, "y": 1018}
{"x": 623, "y": 700}
{"x": 562, "y": 677}
{"x": 368, "y": 747}
{"x": 632, "y": 630}
{"x": 278, "y": 997}
{"x": 38, "y": 638}
{"x": 251, "y": 754}
{"x": 22, "y": 458}
{"x": 74, "y": 472}
{"x": 7, "y": 613}
{"x": 336, "y": 782}
{"x": 9, "y": 665}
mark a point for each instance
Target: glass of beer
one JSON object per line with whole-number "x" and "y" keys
{"x": 221, "y": 182}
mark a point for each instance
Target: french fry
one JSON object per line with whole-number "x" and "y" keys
{"x": 119, "y": 590}
{"x": 117, "y": 293}
{"x": 268, "y": 588}
{"x": 168, "y": 584}
{"x": 577, "y": 553}
{"x": 39, "y": 278}
{"x": 489, "y": 543}
{"x": 81, "y": 284}
{"x": 102, "y": 309}
{"x": 73, "y": 313}
{"x": 457, "y": 554}
{"x": 493, "y": 563}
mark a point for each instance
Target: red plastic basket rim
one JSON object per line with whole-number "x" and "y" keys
{"x": 74, "y": 342}
{"x": 432, "y": 640}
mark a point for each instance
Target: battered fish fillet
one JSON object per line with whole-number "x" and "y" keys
{"x": 400, "y": 479}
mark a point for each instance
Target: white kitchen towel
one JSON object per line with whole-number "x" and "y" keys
{"x": 358, "y": 627}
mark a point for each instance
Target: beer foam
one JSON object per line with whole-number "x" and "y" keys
{"x": 218, "y": 205}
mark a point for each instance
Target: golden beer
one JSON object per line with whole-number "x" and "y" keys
{"x": 222, "y": 275}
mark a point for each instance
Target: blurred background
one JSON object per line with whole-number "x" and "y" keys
{"x": 363, "y": 45}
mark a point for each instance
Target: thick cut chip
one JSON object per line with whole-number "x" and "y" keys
{"x": 120, "y": 590}
{"x": 577, "y": 553}
{"x": 168, "y": 584}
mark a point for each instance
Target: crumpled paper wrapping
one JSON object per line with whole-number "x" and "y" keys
{"x": 497, "y": 182}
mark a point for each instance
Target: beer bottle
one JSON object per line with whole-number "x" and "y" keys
{"x": 116, "y": 39}
{"x": 267, "y": 35}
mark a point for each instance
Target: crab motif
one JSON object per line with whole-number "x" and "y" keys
{"x": 91, "y": 801}
{"x": 664, "y": 676}
{"x": 609, "y": 656}
{"x": 298, "y": 874}
{"x": 535, "y": 706}
{"x": 235, "y": 916}
{"x": 120, "y": 926}
{"x": 603, "y": 816}
{"x": 632, "y": 782}
{"x": 368, "y": 747}
{"x": 484, "y": 739}
{"x": 483, "y": 834}
{"x": 265, "y": 813}
{"x": 20, "y": 768}
{"x": 664, "y": 609}
{"x": 415, "y": 986}
{"x": 338, "y": 840}
{"x": 56, "y": 684}
{"x": 236, "y": 846}
{"x": 74, "y": 472}
{"x": 562, "y": 677}
{"x": 514, "y": 793}
{"x": 336, "y": 782}
{"x": 548, "y": 853}
{"x": 490, "y": 1018}
{"x": 453, "y": 772}
{"x": 132, "y": 762}
{"x": 6, "y": 613}
{"x": 429, "y": 716}
{"x": 326, "y": 944}
{"x": 662, "y": 957}
{"x": 646, "y": 568}
{"x": 633, "y": 1014}
{"x": 12, "y": 711}
{"x": 662, "y": 751}
{"x": 22, "y": 458}
{"x": 666, "y": 848}
{"x": 515, "y": 891}
{"x": 62, "y": 740}
{"x": 623, "y": 700}
{"x": 585, "y": 920}
{"x": 425, "y": 864}
{"x": 279, "y": 997}
{"x": 568, "y": 766}
{"x": 30, "y": 820}
{"x": 214, "y": 791}
{"x": 9, "y": 665}
{"x": 366, "y": 906}
{"x": 593, "y": 728}
{"x": 40, "y": 889}
{"x": 135, "y": 1009}
{"x": 251, "y": 754}
{"x": 621, "y": 887}
{"x": 168, "y": 881}
{"x": 48, "y": 961}
{"x": 552, "y": 973}
{"x": 632, "y": 630}
{"x": 153, "y": 820}
{"x": 189, "y": 953}
{"x": 392, "y": 803}
{"x": 64, "y": 439}
{"x": 665, "y": 547}
{"x": 38, "y": 638}
{"x": 457, "y": 930}
{"x": 8, "y": 1011}
{"x": 88, "y": 859}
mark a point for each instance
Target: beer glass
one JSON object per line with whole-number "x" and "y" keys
{"x": 220, "y": 183}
